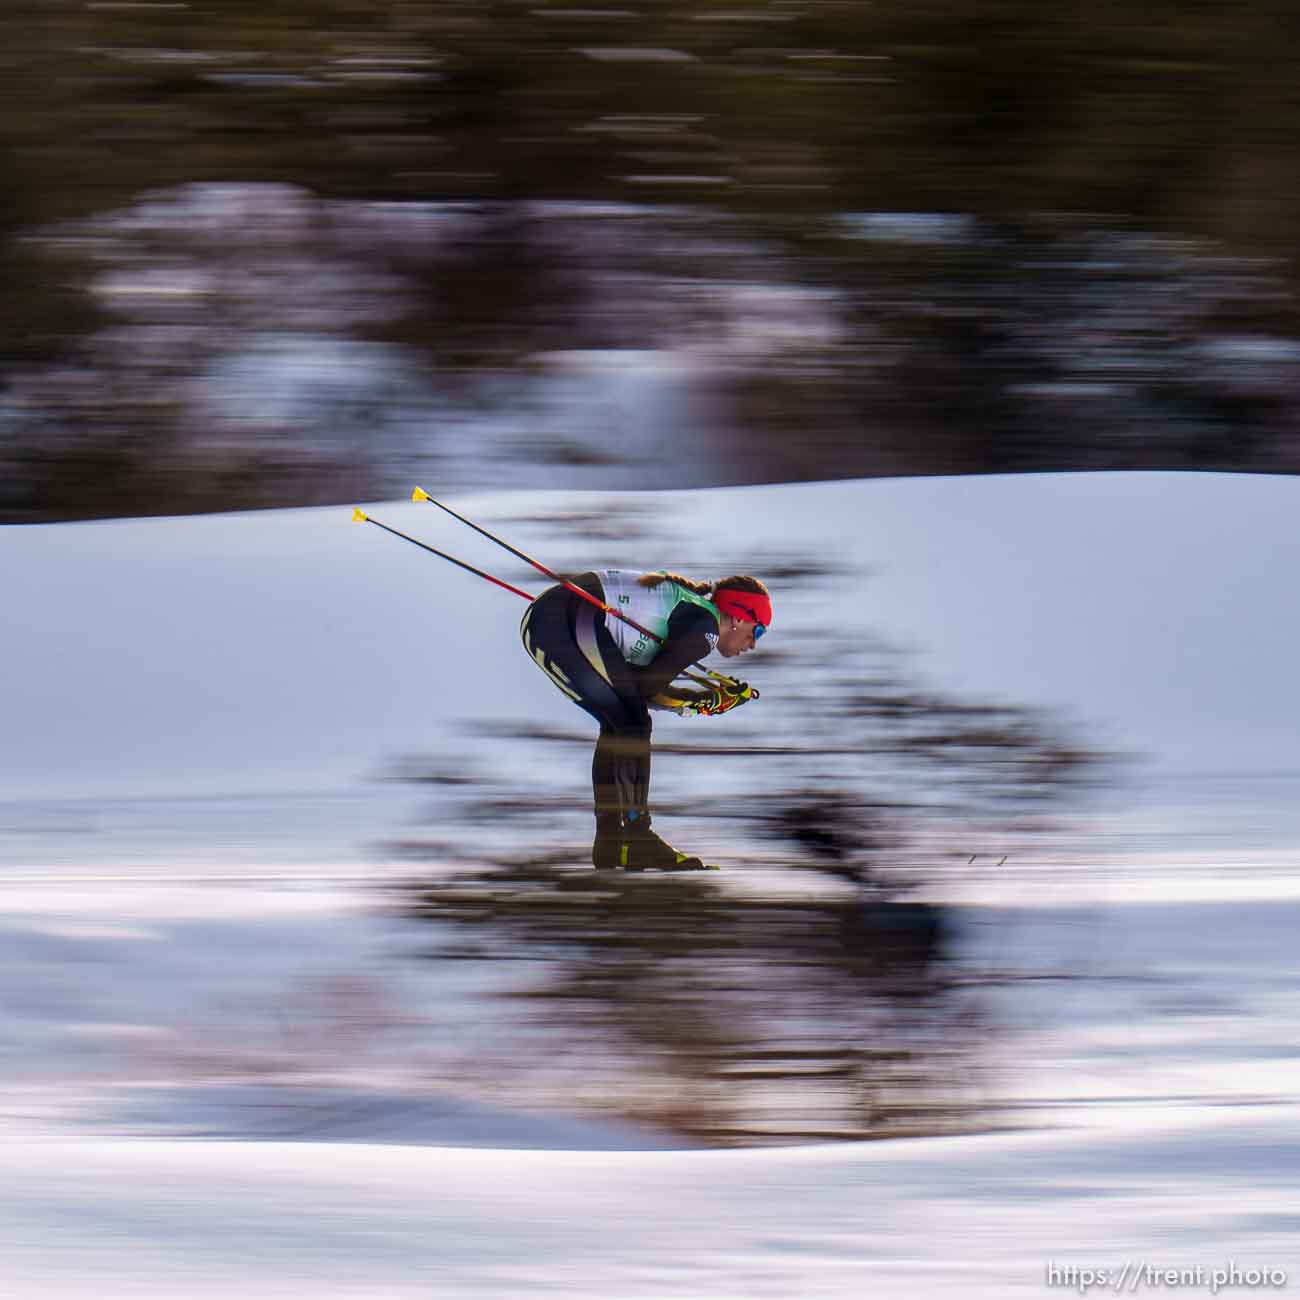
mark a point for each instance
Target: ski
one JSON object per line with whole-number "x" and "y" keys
{"x": 686, "y": 865}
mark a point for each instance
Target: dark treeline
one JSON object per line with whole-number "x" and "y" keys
{"x": 1181, "y": 115}
{"x": 1115, "y": 286}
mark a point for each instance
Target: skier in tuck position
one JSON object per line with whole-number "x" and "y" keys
{"x": 618, "y": 672}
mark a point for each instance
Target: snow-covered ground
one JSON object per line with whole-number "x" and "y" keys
{"x": 187, "y": 833}
{"x": 949, "y": 1217}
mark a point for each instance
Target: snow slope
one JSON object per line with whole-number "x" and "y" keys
{"x": 293, "y": 648}
{"x": 191, "y": 707}
{"x": 1158, "y": 1124}
{"x": 982, "y": 1217}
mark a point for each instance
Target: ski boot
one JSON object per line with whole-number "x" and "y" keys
{"x": 640, "y": 849}
{"x": 609, "y": 839}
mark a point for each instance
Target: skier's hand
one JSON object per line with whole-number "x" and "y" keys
{"x": 728, "y": 694}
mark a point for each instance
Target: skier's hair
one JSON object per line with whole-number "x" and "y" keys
{"x": 737, "y": 582}
{"x": 653, "y": 580}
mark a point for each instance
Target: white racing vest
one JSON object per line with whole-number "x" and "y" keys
{"x": 652, "y": 607}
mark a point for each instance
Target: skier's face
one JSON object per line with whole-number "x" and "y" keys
{"x": 735, "y": 637}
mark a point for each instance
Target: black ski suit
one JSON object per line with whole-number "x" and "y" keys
{"x": 569, "y": 639}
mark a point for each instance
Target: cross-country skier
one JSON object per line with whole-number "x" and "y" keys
{"x": 618, "y": 674}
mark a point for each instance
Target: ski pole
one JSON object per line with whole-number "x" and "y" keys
{"x": 359, "y": 516}
{"x": 419, "y": 494}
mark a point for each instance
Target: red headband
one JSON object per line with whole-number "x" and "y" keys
{"x": 752, "y": 606}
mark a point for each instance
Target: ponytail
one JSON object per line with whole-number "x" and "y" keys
{"x": 737, "y": 582}
{"x": 653, "y": 580}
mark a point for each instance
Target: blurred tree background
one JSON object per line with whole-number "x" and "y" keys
{"x": 280, "y": 252}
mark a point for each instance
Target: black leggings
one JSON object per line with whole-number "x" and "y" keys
{"x": 567, "y": 638}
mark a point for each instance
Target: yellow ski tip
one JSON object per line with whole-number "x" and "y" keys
{"x": 359, "y": 516}
{"x": 419, "y": 495}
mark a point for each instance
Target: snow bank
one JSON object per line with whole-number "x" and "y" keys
{"x": 255, "y": 668}
{"x": 293, "y": 649}
{"x": 978, "y": 1216}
